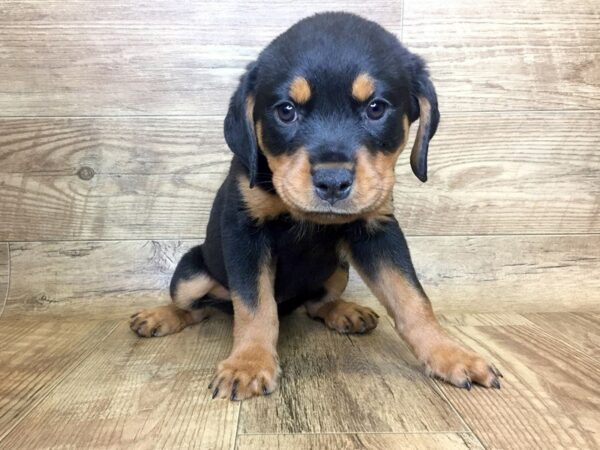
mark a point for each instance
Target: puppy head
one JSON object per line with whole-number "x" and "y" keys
{"x": 326, "y": 108}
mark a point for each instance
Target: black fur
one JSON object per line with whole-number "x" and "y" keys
{"x": 330, "y": 50}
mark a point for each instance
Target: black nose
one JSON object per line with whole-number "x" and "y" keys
{"x": 333, "y": 184}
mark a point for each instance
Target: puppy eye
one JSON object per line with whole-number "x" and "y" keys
{"x": 376, "y": 109}
{"x": 286, "y": 112}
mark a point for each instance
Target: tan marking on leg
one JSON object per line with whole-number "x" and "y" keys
{"x": 163, "y": 320}
{"x": 417, "y": 324}
{"x": 187, "y": 291}
{"x": 346, "y": 317}
{"x": 260, "y": 204}
{"x": 363, "y": 87}
{"x": 220, "y": 292}
{"x": 334, "y": 288}
{"x": 300, "y": 90}
{"x": 338, "y": 314}
{"x": 252, "y": 368}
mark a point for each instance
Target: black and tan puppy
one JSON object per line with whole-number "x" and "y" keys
{"x": 316, "y": 125}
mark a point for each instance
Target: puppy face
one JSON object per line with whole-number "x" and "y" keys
{"x": 329, "y": 104}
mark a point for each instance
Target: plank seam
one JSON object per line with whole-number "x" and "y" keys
{"x": 220, "y": 116}
{"x": 202, "y": 237}
{"x": 8, "y": 282}
{"x": 302, "y": 433}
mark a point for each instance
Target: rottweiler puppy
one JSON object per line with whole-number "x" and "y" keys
{"x": 316, "y": 127}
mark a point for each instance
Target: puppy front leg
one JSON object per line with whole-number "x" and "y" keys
{"x": 252, "y": 368}
{"x": 382, "y": 258}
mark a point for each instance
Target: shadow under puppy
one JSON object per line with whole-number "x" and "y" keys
{"x": 316, "y": 125}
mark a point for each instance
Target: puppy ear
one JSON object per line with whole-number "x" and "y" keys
{"x": 424, "y": 106}
{"x": 239, "y": 123}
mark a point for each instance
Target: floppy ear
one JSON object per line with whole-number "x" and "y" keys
{"x": 424, "y": 106}
{"x": 239, "y": 123}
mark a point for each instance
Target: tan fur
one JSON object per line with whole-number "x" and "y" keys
{"x": 424, "y": 118}
{"x": 300, "y": 90}
{"x": 250, "y": 109}
{"x": 189, "y": 290}
{"x": 371, "y": 198}
{"x": 363, "y": 87}
{"x": 346, "y": 317}
{"x": 164, "y": 320}
{"x": 333, "y": 165}
{"x": 417, "y": 324}
{"x": 338, "y": 314}
{"x": 260, "y": 204}
{"x": 253, "y": 361}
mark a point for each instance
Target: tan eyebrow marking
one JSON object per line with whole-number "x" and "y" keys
{"x": 300, "y": 90}
{"x": 363, "y": 87}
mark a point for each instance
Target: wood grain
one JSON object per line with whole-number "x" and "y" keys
{"x": 550, "y": 394}
{"x": 115, "y": 58}
{"x": 541, "y": 177}
{"x": 35, "y": 355}
{"x": 110, "y": 279}
{"x": 461, "y": 275}
{"x": 4, "y": 275}
{"x": 331, "y": 383}
{"x": 358, "y": 441}
{"x": 477, "y": 274}
{"x": 581, "y": 330}
{"x": 523, "y": 55}
{"x": 138, "y": 393}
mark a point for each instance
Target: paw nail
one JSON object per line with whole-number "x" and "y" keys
{"x": 467, "y": 385}
{"x": 497, "y": 372}
{"x": 234, "y": 390}
{"x": 212, "y": 382}
{"x": 215, "y": 393}
{"x": 265, "y": 390}
{"x": 155, "y": 332}
{"x": 496, "y": 383}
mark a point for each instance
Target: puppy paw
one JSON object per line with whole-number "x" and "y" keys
{"x": 348, "y": 317}
{"x": 461, "y": 367}
{"x": 246, "y": 373}
{"x": 160, "y": 321}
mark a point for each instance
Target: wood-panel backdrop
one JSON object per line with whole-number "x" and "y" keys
{"x": 111, "y": 145}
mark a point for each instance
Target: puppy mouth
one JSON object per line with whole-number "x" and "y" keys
{"x": 318, "y": 208}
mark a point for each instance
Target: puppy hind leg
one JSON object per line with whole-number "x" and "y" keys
{"x": 191, "y": 282}
{"x": 341, "y": 315}
{"x": 189, "y": 286}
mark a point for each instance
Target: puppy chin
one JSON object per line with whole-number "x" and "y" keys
{"x": 322, "y": 212}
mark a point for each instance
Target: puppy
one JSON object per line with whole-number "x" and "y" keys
{"x": 316, "y": 125}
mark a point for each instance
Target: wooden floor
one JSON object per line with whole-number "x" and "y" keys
{"x": 111, "y": 150}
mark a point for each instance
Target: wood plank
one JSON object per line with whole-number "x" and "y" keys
{"x": 111, "y": 278}
{"x": 138, "y": 393}
{"x": 478, "y": 274}
{"x": 461, "y": 274}
{"x": 582, "y": 330}
{"x": 147, "y": 171}
{"x": 357, "y": 441}
{"x": 333, "y": 384}
{"x": 35, "y": 355}
{"x": 550, "y": 394}
{"x": 232, "y": 15}
{"x": 523, "y": 55}
{"x": 4, "y": 274}
{"x": 114, "y": 58}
